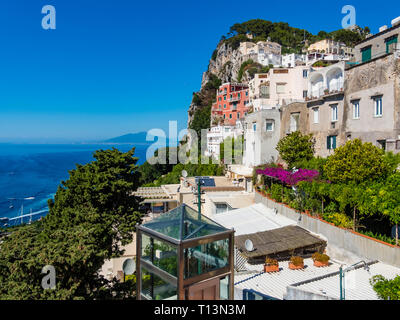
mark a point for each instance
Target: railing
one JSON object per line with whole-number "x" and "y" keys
{"x": 323, "y": 91}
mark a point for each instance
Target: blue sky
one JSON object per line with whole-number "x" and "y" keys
{"x": 114, "y": 67}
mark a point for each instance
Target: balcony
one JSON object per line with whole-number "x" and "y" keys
{"x": 324, "y": 91}
{"x": 234, "y": 99}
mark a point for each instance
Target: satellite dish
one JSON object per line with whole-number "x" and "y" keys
{"x": 249, "y": 245}
{"x": 129, "y": 266}
{"x": 184, "y": 173}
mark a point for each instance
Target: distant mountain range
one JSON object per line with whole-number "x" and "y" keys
{"x": 139, "y": 137}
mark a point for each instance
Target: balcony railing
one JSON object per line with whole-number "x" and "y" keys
{"x": 323, "y": 91}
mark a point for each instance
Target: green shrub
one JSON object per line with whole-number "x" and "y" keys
{"x": 339, "y": 220}
{"x": 320, "y": 257}
{"x": 297, "y": 261}
{"x": 386, "y": 289}
{"x": 276, "y": 192}
{"x": 271, "y": 262}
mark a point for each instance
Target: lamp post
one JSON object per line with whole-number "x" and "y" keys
{"x": 342, "y": 277}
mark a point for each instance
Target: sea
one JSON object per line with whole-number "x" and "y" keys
{"x": 31, "y": 173}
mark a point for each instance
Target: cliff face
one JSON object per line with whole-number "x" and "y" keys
{"x": 224, "y": 65}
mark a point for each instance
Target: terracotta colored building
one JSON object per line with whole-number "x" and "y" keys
{"x": 232, "y": 103}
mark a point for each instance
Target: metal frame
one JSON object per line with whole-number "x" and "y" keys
{"x": 181, "y": 283}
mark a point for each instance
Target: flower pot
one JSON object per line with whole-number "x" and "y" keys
{"x": 271, "y": 268}
{"x": 293, "y": 267}
{"x": 321, "y": 264}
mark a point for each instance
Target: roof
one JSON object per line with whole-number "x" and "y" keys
{"x": 275, "y": 284}
{"x": 219, "y": 181}
{"x": 184, "y": 223}
{"x": 357, "y": 285}
{"x": 280, "y": 242}
{"x": 151, "y": 192}
{"x": 251, "y": 219}
{"x": 235, "y": 200}
{"x": 241, "y": 170}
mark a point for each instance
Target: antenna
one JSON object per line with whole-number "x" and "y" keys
{"x": 184, "y": 173}
{"x": 249, "y": 245}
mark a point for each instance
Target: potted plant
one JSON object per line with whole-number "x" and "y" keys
{"x": 271, "y": 265}
{"x": 320, "y": 259}
{"x": 326, "y": 91}
{"x": 296, "y": 263}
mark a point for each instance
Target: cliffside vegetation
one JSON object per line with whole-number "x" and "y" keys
{"x": 291, "y": 39}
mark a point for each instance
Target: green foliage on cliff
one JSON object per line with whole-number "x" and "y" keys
{"x": 291, "y": 39}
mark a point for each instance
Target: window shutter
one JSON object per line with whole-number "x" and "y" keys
{"x": 334, "y": 142}
{"x": 328, "y": 143}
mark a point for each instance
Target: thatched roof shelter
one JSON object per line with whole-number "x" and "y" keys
{"x": 279, "y": 243}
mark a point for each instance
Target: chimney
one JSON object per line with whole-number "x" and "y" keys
{"x": 395, "y": 21}
{"x": 383, "y": 28}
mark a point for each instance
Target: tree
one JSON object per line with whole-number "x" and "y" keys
{"x": 233, "y": 149}
{"x": 388, "y": 200}
{"x": 296, "y": 147}
{"x": 92, "y": 215}
{"x": 386, "y": 289}
{"x": 356, "y": 162}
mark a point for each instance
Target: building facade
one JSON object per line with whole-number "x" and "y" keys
{"x": 231, "y": 103}
{"x": 325, "y": 104}
{"x": 372, "y": 102}
{"x": 382, "y": 43}
{"x": 278, "y": 87}
{"x": 216, "y": 135}
{"x": 263, "y": 52}
{"x": 261, "y": 135}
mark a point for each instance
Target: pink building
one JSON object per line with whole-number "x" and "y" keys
{"x": 232, "y": 103}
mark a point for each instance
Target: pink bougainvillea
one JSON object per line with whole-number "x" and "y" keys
{"x": 288, "y": 177}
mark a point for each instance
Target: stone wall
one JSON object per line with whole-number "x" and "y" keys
{"x": 361, "y": 245}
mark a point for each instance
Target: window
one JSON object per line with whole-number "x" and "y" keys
{"x": 224, "y": 97}
{"x": 331, "y": 142}
{"x": 316, "y": 115}
{"x": 378, "y": 106}
{"x": 264, "y": 92}
{"x": 230, "y": 116}
{"x": 305, "y": 73}
{"x": 356, "y": 109}
{"x": 334, "y": 113}
{"x": 366, "y": 54}
{"x": 280, "y": 87}
{"x": 294, "y": 122}
{"x": 390, "y": 42}
{"x": 269, "y": 125}
{"x": 239, "y": 95}
{"x": 247, "y": 93}
{"x": 224, "y": 106}
{"x": 238, "y": 115}
{"x": 222, "y": 207}
{"x": 305, "y": 93}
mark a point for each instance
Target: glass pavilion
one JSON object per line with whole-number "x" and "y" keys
{"x": 184, "y": 255}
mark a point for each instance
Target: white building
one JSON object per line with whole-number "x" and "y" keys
{"x": 216, "y": 135}
{"x": 326, "y": 80}
{"x": 280, "y": 86}
{"x": 263, "y": 52}
{"x": 293, "y": 59}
